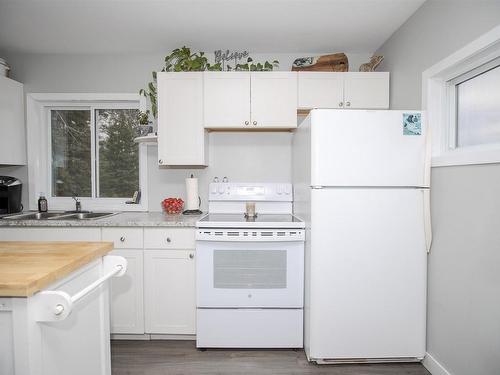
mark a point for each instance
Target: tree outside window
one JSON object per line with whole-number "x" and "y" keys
{"x": 106, "y": 139}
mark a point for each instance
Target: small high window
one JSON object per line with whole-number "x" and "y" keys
{"x": 477, "y": 103}
{"x": 461, "y": 100}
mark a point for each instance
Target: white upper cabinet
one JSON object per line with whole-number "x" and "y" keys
{"x": 182, "y": 139}
{"x": 273, "y": 99}
{"x": 250, "y": 100}
{"x": 320, "y": 90}
{"x": 226, "y": 99}
{"x": 13, "y": 140}
{"x": 356, "y": 90}
{"x": 366, "y": 90}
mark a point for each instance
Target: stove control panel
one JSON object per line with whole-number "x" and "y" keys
{"x": 225, "y": 191}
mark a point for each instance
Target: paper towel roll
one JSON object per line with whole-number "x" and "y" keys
{"x": 192, "y": 200}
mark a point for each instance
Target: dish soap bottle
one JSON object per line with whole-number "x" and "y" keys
{"x": 42, "y": 203}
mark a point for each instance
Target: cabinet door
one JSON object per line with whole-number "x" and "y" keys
{"x": 226, "y": 99}
{"x": 181, "y": 136}
{"x": 13, "y": 140}
{"x": 320, "y": 90}
{"x": 274, "y": 99}
{"x": 127, "y": 308}
{"x": 366, "y": 90}
{"x": 170, "y": 291}
{"x": 78, "y": 344}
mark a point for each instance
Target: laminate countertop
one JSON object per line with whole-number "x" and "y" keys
{"x": 28, "y": 267}
{"x": 122, "y": 219}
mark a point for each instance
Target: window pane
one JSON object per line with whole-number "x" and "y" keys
{"x": 118, "y": 153}
{"x": 478, "y": 109}
{"x": 71, "y": 153}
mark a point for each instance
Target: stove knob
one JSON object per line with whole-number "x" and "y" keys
{"x": 221, "y": 189}
{"x": 288, "y": 189}
{"x": 279, "y": 189}
{"x": 214, "y": 189}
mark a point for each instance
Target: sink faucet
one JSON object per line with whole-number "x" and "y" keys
{"x": 78, "y": 204}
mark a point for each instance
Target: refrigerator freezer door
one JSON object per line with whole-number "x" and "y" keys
{"x": 368, "y": 148}
{"x": 367, "y": 274}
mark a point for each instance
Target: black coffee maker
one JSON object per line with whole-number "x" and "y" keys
{"x": 10, "y": 195}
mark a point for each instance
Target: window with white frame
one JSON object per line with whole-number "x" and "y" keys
{"x": 475, "y": 101}
{"x": 85, "y": 148}
{"x": 93, "y": 153}
{"x": 462, "y": 97}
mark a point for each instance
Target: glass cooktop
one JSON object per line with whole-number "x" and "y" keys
{"x": 240, "y": 221}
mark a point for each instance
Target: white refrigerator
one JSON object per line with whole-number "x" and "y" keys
{"x": 361, "y": 183}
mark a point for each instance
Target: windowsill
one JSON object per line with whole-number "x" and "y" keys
{"x": 471, "y": 156}
{"x": 105, "y": 204}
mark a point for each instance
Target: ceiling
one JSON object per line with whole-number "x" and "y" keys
{"x": 142, "y": 26}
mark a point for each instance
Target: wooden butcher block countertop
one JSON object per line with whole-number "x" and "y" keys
{"x": 28, "y": 267}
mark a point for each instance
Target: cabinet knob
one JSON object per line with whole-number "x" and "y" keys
{"x": 341, "y": 104}
{"x": 169, "y": 240}
{"x": 160, "y": 161}
{"x": 255, "y": 122}
{"x": 246, "y": 123}
{"x": 348, "y": 104}
{"x": 122, "y": 239}
{"x": 191, "y": 256}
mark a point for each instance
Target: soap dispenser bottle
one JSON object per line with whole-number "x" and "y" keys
{"x": 42, "y": 203}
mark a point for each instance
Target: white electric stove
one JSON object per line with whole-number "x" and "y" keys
{"x": 250, "y": 271}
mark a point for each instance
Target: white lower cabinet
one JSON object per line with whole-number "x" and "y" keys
{"x": 170, "y": 291}
{"x": 157, "y": 295}
{"x": 127, "y": 306}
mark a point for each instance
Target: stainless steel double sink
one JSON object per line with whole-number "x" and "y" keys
{"x": 60, "y": 216}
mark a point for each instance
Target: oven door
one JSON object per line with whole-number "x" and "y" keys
{"x": 250, "y": 274}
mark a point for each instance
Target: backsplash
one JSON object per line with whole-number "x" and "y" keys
{"x": 263, "y": 157}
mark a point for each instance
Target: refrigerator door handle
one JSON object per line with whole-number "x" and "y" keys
{"x": 427, "y": 219}
{"x": 428, "y": 156}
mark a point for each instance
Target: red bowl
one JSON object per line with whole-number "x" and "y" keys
{"x": 172, "y": 206}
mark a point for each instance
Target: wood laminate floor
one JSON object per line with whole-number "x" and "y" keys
{"x": 182, "y": 357}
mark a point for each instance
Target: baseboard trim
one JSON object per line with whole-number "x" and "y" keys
{"x": 433, "y": 366}
{"x": 121, "y": 336}
{"x": 148, "y": 336}
{"x": 173, "y": 337}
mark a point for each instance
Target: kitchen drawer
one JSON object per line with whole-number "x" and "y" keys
{"x": 50, "y": 234}
{"x": 124, "y": 238}
{"x": 169, "y": 238}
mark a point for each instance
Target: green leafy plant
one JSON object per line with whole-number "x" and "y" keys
{"x": 258, "y": 67}
{"x": 143, "y": 117}
{"x": 182, "y": 60}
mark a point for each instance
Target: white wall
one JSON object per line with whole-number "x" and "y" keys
{"x": 463, "y": 332}
{"x": 239, "y": 156}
